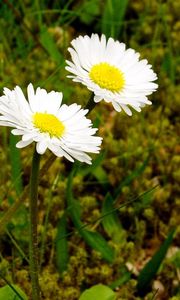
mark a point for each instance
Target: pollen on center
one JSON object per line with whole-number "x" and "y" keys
{"x": 107, "y": 77}
{"x": 48, "y": 123}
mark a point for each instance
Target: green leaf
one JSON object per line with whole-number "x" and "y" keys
{"x": 121, "y": 281}
{"x": 133, "y": 175}
{"x": 113, "y": 17}
{"x": 98, "y": 292}
{"x": 16, "y": 168}
{"x": 85, "y": 170}
{"x": 148, "y": 273}
{"x": 97, "y": 242}
{"x": 168, "y": 65}
{"x": 12, "y": 292}
{"x": 96, "y": 170}
{"x": 93, "y": 239}
{"x": 49, "y": 44}
{"x": 62, "y": 256}
{"x": 101, "y": 176}
{"x": 110, "y": 221}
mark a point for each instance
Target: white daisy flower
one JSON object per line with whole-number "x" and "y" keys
{"x": 112, "y": 72}
{"x": 60, "y": 128}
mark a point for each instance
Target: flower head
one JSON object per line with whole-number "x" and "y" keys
{"x": 112, "y": 72}
{"x": 60, "y": 128}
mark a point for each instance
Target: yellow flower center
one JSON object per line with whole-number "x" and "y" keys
{"x": 107, "y": 77}
{"x": 48, "y": 123}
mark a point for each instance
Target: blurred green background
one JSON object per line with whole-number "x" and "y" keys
{"x": 140, "y": 156}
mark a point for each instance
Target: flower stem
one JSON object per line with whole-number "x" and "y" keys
{"x": 91, "y": 104}
{"x": 33, "y": 249}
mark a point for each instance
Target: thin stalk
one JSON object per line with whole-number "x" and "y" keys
{"x": 91, "y": 104}
{"x": 33, "y": 247}
{"x": 17, "y": 246}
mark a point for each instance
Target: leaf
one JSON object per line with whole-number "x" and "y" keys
{"x": 134, "y": 174}
{"x": 12, "y": 292}
{"x": 93, "y": 239}
{"x": 121, "y": 281}
{"x": 110, "y": 221}
{"x": 62, "y": 256}
{"x": 113, "y": 17}
{"x": 148, "y": 273}
{"x": 101, "y": 176}
{"x": 16, "y": 168}
{"x": 96, "y": 170}
{"x": 49, "y": 44}
{"x": 98, "y": 292}
{"x": 85, "y": 170}
{"x": 97, "y": 242}
{"x": 168, "y": 65}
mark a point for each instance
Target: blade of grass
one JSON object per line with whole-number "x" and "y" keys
{"x": 62, "y": 256}
{"x": 23, "y": 255}
{"x": 113, "y": 17}
{"x": 49, "y": 44}
{"x": 84, "y": 171}
{"x": 155, "y": 294}
{"x": 121, "y": 281}
{"x": 16, "y": 169}
{"x": 168, "y": 63}
{"x": 148, "y": 273}
{"x": 111, "y": 223}
{"x": 96, "y": 170}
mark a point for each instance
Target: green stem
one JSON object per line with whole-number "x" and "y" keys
{"x": 17, "y": 246}
{"x": 33, "y": 249}
{"x": 91, "y": 104}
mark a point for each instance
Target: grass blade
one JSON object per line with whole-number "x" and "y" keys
{"x": 16, "y": 169}
{"x": 97, "y": 242}
{"x": 85, "y": 170}
{"x": 149, "y": 271}
{"x": 111, "y": 222}
{"x": 125, "y": 277}
{"x": 96, "y": 170}
{"x": 62, "y": 256}
{"x": 113, "y": 17}
{"x": 49, "y": 44}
